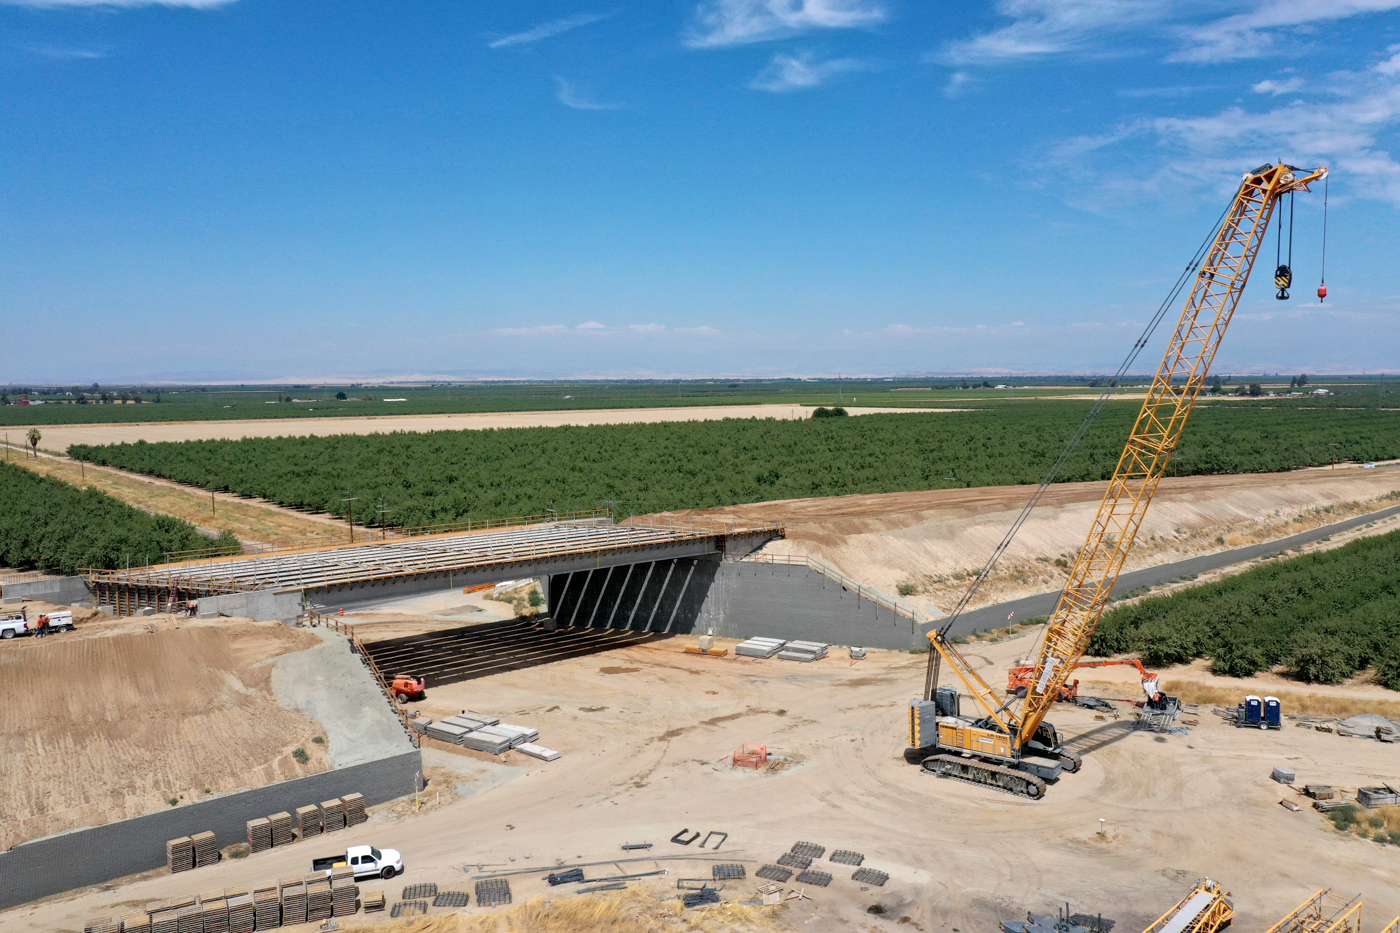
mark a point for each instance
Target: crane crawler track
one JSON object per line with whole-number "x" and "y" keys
{"x": 983, "y": 774}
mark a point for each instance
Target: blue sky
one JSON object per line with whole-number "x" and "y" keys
{"x": 243, "y": 189}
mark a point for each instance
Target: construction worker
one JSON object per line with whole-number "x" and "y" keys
{"x": 190, "y": 608}
{"x": 43, "y": 628}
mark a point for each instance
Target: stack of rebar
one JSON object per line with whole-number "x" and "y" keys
{"x": 136, "y": 921}
{"x": 309, "y": 821}
{"x": 206, "y": 849}
{"x": 332, "y": 815}
{"x": 318, "y": 901}
{"x": 354, "y": 805}
{"x": 240, "y": 910}
{"x": 267, "y": 907}
{"x": 759, "y": 647}
{"x": 179, "y": 854}
{"x": 494, "y": 892}
{"x": 282, "y": 828}
{"x": 259, "y": 834}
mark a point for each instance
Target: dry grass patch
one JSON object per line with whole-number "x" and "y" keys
{"x": 1310, "y": 704}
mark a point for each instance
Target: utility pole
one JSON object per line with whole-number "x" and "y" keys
{"x": 1332, "y": 449}
{"x": 213, "y": 510}
{"x": 350, "y": 519}
{"x": 383, "y": 531}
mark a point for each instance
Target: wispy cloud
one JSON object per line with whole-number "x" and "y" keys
{"x": 720, "y": 23}
{"x": 571, "y": 96}
{"x": 1041, "y": 28}
{"x": 1181, "y": 90}
{"x": 957, "y": 84}
{"x": 119, "y": 4}
{"x": 593, "y": 328}
{"x": 801, "y": 71}
{"x": 1253, "y": 33}
{"x": 64, "y": 53}
{"x": 1339, "y": 123}
{"x": 1270, "y": 86}
{"x": 548, "y": 30}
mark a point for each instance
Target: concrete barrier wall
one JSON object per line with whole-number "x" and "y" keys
{"x": 90, "y": 856}
{"x": 65, "y": 591}
{"x": 263, "y": 605}
{"x": 734, "y": 598}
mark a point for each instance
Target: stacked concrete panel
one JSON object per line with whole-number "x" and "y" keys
{"x": 759, "y": 647}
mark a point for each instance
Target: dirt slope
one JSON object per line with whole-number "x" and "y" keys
{"x": 114, "y": 720}
{"x": 933, "y": 540}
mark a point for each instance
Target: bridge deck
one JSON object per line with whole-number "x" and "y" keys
{"x": 299, "y": 570}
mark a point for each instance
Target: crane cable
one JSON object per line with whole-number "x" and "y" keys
{"x": 1099, "y": 403}
{"x": 1283, "y": 275}
{"x": 1322, "y": 285}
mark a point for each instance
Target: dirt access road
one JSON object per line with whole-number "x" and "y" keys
{"x": 58, "y": 437}
{"x": 646, "y": 733}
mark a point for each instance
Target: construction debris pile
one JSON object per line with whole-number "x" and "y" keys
{"x": 311, "y": 820}
{"x": 1361, "y": 726}
{"x": 484, "y": 734}
{"x": 291, "y": 901}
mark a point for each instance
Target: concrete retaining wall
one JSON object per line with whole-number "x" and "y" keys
{"x": 734, "y": 598}
{"x": 90, "y": 856}
{"x": 65, "y": 591}
{"x": 263, "y": 605}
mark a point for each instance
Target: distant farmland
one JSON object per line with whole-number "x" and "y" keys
{"x": 452, "y": 475}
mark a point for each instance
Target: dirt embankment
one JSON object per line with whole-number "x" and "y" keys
{"x": 932, "y": 541}
{"x": 120, "y": 717}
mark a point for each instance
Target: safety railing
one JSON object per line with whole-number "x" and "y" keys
{"x": 708, "y": 525}
{"x": 880, "y": 597}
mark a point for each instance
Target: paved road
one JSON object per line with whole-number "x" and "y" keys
{"x": 1042, "y": 604}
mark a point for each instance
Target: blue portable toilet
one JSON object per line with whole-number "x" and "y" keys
{"x": 1272, "y": 713}
{"x": 1253, "y": 711}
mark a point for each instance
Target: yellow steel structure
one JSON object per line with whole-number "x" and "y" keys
{"x": 1324, "y": 912}
{"x": 1394, "y": 926}
{"x": 1178, "y": 382}
{"x": 1206, "y": 909}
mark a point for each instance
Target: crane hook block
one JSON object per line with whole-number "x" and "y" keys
{"x": 1283, "y": 281}
{"x": 1321, "y": 292}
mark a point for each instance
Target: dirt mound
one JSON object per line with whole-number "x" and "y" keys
{"x": 120, "y": 717}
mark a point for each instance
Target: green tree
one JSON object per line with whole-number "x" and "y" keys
{"x": 340, "y": 396}
{"x": 34, "y": 436}
{"x": 1255, "y": 389}
{"x": 1302, "y": 380}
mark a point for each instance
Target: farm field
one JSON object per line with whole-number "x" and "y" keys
{"x": 639, "y": 468}
{"x": 1323, "y": 616}
{"x": 50, "y": 525}
{"x": 58, "y": 438}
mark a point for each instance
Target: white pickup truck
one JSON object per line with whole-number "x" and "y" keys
{"x": 367, "y": 861}
{"x": 17, "y": 623}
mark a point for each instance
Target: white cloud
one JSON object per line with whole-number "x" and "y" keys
{"x": 1339, "y": 124}
{"x": 1043, "y": 28}
{"x": 602, "y": 330}
{"x": 64, "y": 54}
{"x": 1391, "y": 65}
{"x": 1049, "y": 27}
{"x": 957, "y": 83}
{"x": 591, "y": 325}
{"x": 720, "y": 23}
{"x": 801, "y": 71}
{"x": 548, "y": 30}
{"x": 1270, "y": 86}
{"x": 1253, "y": 33}
{"x": 120, "y": 4}
{"x": 571, "y": 96}
{"x": 646, "y": 328}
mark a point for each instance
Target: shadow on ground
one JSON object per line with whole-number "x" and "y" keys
{"x": 455, "y": 655}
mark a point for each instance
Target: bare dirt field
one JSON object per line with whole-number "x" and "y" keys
{"x": 116, "y": 718}
{"x": 933, "y": 540}
{"x": 646, "y": 734}
{"x": 57, "y": 438}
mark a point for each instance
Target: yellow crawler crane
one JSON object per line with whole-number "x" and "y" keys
{"x": 1207, "y": 909}
{"x": 1016, "y": 750}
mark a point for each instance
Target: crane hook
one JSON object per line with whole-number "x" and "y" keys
{"x": 1283, "y": 281}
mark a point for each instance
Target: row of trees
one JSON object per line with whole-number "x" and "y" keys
{"x": 426, "y": 478}
{"x": 1323, "y": 616}
{"x": 48, "y": 525}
